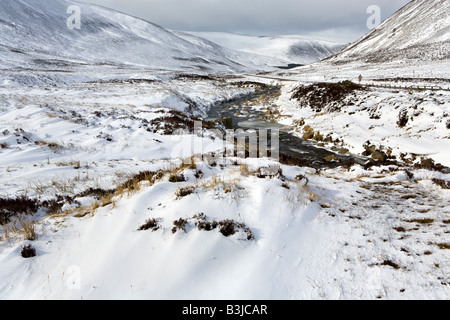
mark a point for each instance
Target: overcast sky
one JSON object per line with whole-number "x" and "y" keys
{"x": 336, "y": 18}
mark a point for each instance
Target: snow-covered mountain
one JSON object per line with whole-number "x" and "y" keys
{"x": 419, "y": 31}
{"x": 37, "y": 46}
{"x": 254, "y": 59}
{"x": 34, "y": 36}
{"x": 294, "y": 49}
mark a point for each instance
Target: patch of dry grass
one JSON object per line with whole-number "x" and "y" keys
{"x": 21, "y": 226}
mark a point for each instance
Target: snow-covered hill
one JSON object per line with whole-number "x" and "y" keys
{"x": 293, "y": 49}
{"x": 419, "y": 31}
{"x": 37, "y": 46}
{"x": 253, "y": 59}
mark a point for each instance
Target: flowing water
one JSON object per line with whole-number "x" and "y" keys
{"x": 291, "y": 146}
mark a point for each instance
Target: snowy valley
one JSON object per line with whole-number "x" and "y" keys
{"x": 110, "y": 190}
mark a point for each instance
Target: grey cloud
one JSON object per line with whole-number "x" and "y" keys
{"x": 264, "y": 17}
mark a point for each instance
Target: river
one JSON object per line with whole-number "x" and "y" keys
{"x": 292, "y": 148}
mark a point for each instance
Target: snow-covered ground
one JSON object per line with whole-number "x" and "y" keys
{"x": 102, "y": 174}
{"x": 337, "y": 235}
{"x": 46, "y": 130}
{"x": 351, "y": 233}
{"x": 373, "y": 115}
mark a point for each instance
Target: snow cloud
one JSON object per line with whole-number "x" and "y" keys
{"x": 344, "y": 18}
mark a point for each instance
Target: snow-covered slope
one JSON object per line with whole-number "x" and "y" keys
{"x": 34, "y": 35}
{"x": 251, "y": 59}
{"x": 418, "y": 31}
{"x": 293, "y": 49}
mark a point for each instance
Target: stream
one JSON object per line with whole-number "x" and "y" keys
{"x": 292, "y": 148}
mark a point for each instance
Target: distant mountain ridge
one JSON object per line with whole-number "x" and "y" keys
{"x": 292, "y": 49}
{"x": 34, "y": 37}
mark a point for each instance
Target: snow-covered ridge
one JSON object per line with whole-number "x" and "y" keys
{"x": 419, "y": 28}
{"x": 293, "y": 48}
{"x": 34, "y": 35}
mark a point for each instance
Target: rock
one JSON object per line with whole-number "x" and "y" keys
{"x": 308, "y": 135}
{"x": 272, "y": 171}
{"x": 369, "y": 150}
{"x": 427, "y": 163}
{"x": 343, "y": 151}
{"x": 318, "y": 136}
{"x": 331, "y": 158}
{"x": 308, "y": 132}
{"x": 379, "y": 156}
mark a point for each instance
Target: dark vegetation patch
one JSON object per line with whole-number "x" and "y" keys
{"x": 409, "y": 174}
{"x": 199, "y": 174}
{"x": 194, "y": 77}
{"x": 174, "y": 178}
{"x": 443, "y": 246}
{"x": 150, "y": 224}
{"x": 17, "y": 206}
{"x": 176, "y": 122}
{"x": 226, "y": 227}
{"x": 390, "y": 263}
{"x": 195, "y": 59}
{"x": 28, "y": 251}
{"x": 251, "y": 84}
{"x": 403, "y": 118}
{"x": 105, "y": 136}
{"x": 406, "y": 79}
{"x": 179, "y": 224}
{"x": 442, "y": 183}
{"x": 96, "y": 193}
{"x": 293, "y": 161}
{"x": 330, "y": 97}
{"x": 383, "y": 156}
{"x": 204, "y": 224}
{"x": 429, "y": 164}
{"x": 126, "y": 81}
{"x": 331, "y": 161}
{"x": 421, "y": 221}
{"x": 23, "y": 205}
{"x": 55, "y": 205}
{"x": 184, "y": 192}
